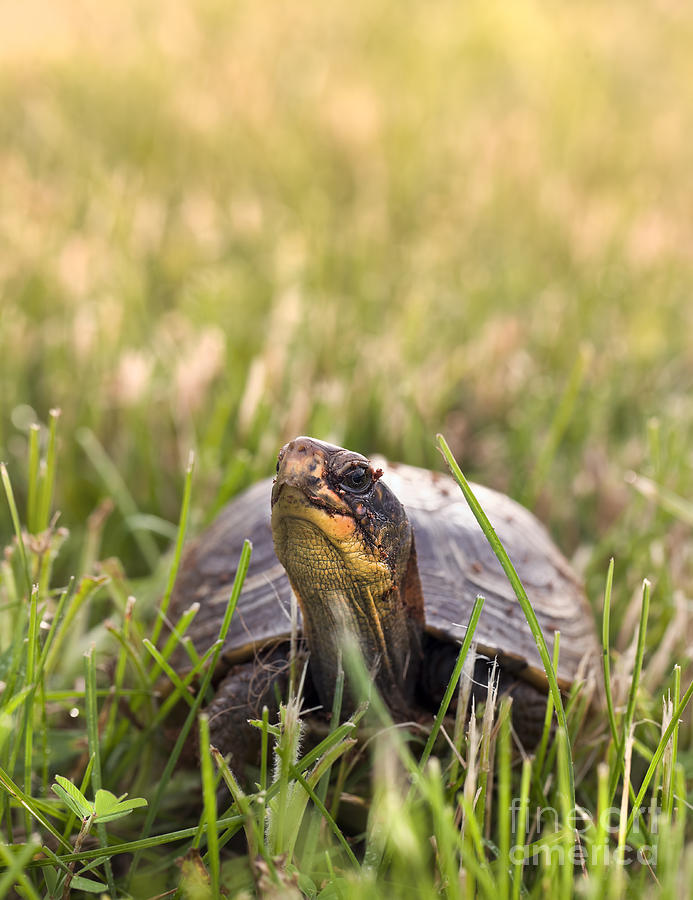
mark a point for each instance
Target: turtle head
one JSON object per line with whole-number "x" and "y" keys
{"x": 347, "y": 546}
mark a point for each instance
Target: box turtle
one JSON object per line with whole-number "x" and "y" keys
{"x": 393, "y": 555}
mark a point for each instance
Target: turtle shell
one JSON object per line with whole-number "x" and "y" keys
{"x": 455, "y": 564}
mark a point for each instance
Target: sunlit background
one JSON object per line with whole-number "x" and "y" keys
{"x": 223, "y": 224}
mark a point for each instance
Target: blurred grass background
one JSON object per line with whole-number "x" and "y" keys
{"x": 225, "y": 224}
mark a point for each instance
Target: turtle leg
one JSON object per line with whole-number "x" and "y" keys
{"x": 529, "y": 702}
{"x": 240, "y": 696}
{"x": 528, "y": 710}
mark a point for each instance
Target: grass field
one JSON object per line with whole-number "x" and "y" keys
{"x": 222, "y": 225}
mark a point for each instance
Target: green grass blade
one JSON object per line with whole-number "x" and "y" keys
{"x": 154, "y": 725}
{"x": 178, "y": 632}
{"x": 178, "y": 552}
{"x": 28, "y": 803}
{"x": 118, "y": 489}
{"x": 521, "y": 595}
{"x": 210, "y": 802}
{"x": 120, "y": 847}
{"x": 568, "y": 826}
{"x": 31, "y": 651}
{"x": 9, "y": 493}
{"x": 87, "y": 588}
{"x": 639, "y": 653}
{"x": 92, "y": 716}
{"x": 169, "y": 670}
{"x": 33, "y": 479}
{"x": 112, "y": 723}
{"x": 548, "y": 717}
{"x": 323, "y": 766}
{"x": 520, "y": 830}
{"x": 504, "y": 807}
{"x": 559, "y": 425}
{"x": 241, "y": 571}
{"x": 264, "y": 744}
{"x": 47, "y": 482}
{"x": 659, "y": 753}
{"x": 55, "y": 622}
{"x": 452, "y": 683}
{"x": 634, "y": 683}
{"x": 670, "y": 779}
{"x": 606, "y": 658}
{"x": 15, "y": 872}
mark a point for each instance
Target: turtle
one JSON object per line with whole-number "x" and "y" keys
{"x": 391, "y": 555}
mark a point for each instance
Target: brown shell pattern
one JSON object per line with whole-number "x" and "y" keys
{"x": 455, "y": 563}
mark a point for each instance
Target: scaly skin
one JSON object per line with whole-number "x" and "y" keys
{"x": 346, "y": 553}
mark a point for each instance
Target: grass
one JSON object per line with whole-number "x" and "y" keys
{"x": 220, "y": 228}
{"x": 434, "y": 826}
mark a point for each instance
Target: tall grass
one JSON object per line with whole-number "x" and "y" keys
{"x": 459, "y": 816}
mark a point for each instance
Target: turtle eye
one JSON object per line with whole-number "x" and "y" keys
{"x": 357, "y": 480}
